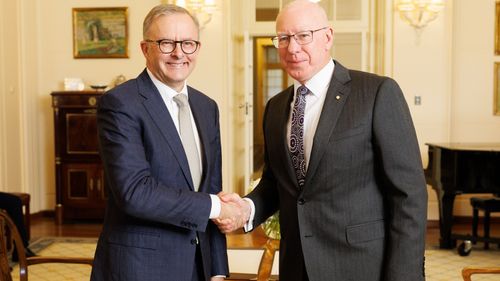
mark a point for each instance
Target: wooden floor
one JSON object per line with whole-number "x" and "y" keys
{"x": 45, "y": 226}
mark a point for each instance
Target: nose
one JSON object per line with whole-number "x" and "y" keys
{"x": 177, "y": 52}
{"x": 293, "y": 46}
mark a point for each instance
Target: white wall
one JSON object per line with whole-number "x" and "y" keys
{"x": 473, "y": 66}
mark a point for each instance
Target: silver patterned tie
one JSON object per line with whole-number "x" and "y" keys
{"x": 187, "y": 137}
{"x": 297, "y": 135}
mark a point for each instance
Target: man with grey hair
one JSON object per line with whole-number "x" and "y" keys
{"x": 160, "y": 146}
{"x": 342, "y": 165}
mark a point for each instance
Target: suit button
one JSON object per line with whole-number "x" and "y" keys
{"x": 302, "y": 201}
{"x": 194, "y": 241}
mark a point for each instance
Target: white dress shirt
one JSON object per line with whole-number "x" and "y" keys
{"x": 318, "y": 86}
{"x": 167, "y": 94}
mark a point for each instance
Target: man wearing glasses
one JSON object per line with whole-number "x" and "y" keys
{"x": 342, "y": 165}
{"x": 160, "y": 145}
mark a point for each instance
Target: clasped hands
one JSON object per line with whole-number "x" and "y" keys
{"x": 234, "y": 214}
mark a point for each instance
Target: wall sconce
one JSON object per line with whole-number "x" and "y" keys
{"x": 201, "y": 9}
{"x": 418, "y": 13}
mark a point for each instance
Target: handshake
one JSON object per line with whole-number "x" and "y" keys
{"x": 234, "y": 213}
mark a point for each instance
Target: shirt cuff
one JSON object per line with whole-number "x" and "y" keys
{"x": 249, "y": 225}
{"x": 215, "y": 210}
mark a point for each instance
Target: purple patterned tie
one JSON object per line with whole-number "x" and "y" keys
{"x": 297, "y": 135}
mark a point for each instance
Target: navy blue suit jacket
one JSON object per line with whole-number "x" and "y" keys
{"x": 153, "y": 216}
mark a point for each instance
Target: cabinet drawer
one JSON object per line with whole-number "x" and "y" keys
{"x": 84, "y": 99}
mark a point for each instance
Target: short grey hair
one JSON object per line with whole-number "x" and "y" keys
{"x": 165, "y": 10}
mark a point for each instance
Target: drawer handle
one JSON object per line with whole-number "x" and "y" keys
{"x": 92, "y": 101}
{"x": 91, "y": 184}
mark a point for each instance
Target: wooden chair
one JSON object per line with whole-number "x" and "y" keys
{"x": 25, "y": 202}
{"x": 6, "y": 223}
{"x": 265, "y": 265}
{"x": 25, "y": 205}
{"x": 468, "y": 271}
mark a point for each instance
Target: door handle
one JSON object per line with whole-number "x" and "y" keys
{"x": 246, "y": 106}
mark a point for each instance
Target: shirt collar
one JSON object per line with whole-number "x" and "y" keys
{"x": 319, "y": 83}
{"x": 164, "y": 89}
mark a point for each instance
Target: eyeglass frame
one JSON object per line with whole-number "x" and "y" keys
{"x": 288, "y": 36}
{"x": 175, "y": 42}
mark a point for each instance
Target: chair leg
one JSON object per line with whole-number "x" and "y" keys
{"x": 486, "y": 228}
{"x": 27, "y": 218}
{"x": 25, "y": 202}
{"x": 475, "y": 219}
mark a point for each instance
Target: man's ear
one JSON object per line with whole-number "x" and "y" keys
{"x": 329, "y": 38}
{"x": 144, "y": 47}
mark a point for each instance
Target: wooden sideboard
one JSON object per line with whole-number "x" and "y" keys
{"x": 80, "y": 192}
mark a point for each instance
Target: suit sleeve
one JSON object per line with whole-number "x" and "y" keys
{"x": 128, "y": 171}
{"x": 399, "y": 163}
{"x": 265, "y": 195}
{"x": 218, "y": 246}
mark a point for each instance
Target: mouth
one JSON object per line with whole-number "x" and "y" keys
{"x": 177, "y": 64}
{"x": 295, "y": 62}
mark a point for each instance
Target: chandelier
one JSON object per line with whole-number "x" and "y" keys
{"x": 201, "y": 9}
{"x": 418, "y": 13}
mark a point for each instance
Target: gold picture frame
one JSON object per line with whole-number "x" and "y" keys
{"x": 100, "y": 32}
{"x": 496, "y": 94}
{"x": 497, "y": 28}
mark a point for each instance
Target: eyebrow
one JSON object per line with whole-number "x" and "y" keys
{"x": 300, "y": 30}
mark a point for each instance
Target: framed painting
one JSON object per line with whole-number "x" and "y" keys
{"x": 100, "y": 32}
{"x": 496, "y": 98}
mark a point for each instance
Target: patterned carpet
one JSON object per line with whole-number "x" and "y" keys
{"x": 56, "y": 246}
{"x": 441, "y": 265}
{"x": 446, "y": 265}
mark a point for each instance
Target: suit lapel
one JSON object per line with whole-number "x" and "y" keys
{"x": 336, "y": 95}
{"x": 282, "y": 122}
{"x": 156, "y": 107}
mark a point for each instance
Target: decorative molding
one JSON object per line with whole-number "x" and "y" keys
{"x": 31, "y": 146}
{"x": 3, "y": 133}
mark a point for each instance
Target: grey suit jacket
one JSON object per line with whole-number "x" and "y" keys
{"x": 153, "y": 216}
{"x": 361, "y": 215}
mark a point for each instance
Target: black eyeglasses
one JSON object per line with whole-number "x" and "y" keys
{"x": 167, "y": 46}
{"x": 302, "y": 38}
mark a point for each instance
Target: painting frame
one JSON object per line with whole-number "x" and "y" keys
{"x": 100, "y": 32}
{"x": 496, "y": 94}
{"x": 497, "y": 28}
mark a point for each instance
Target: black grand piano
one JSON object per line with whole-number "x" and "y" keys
{"x": 458, "y": 168}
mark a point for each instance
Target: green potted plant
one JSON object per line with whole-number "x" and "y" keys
{"x": 272, "y": 226}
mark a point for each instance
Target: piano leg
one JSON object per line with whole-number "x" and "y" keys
{"x": 446, "y": 220}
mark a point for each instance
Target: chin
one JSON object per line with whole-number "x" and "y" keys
{"x": 298, "y": 76}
